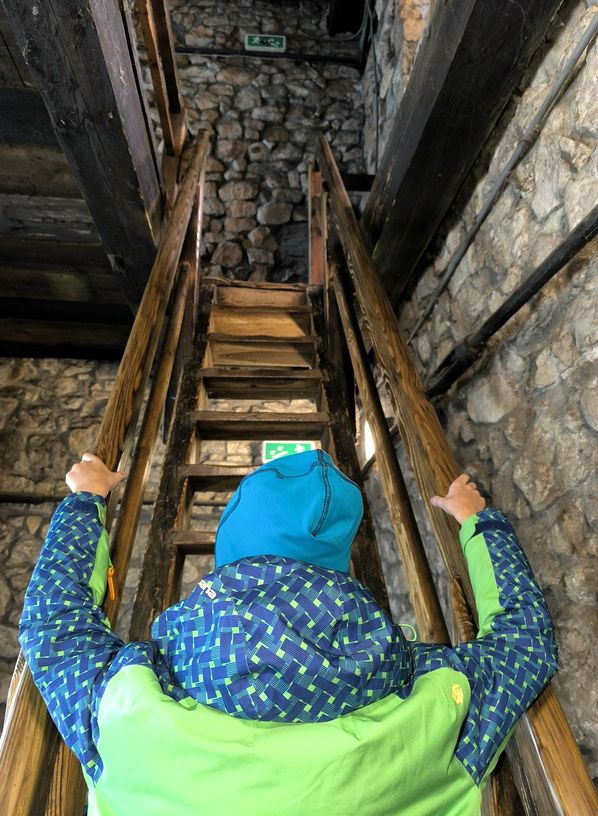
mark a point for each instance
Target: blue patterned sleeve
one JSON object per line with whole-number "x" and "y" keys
{"x": 65, "y": 635}
{"x": 514, "y": 655}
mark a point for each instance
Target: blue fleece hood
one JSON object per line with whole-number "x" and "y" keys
{"x": 300, "y": 507}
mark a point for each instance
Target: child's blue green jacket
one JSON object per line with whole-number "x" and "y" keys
{"x": 278, "y": 685}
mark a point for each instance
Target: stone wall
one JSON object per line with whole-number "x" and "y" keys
{"x": 524, "y": 421}
{"x": 264, "y": 115}
{"x": 50, "y": 412}
{"x": 400, "y": 25}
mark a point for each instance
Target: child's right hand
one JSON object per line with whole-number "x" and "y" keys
{"x": 462, "y": 499}
{"x": 92, "y": 476}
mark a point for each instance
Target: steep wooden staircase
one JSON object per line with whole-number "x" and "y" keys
{"x": 220, "y": 340}
{"x": 256, "y": 342}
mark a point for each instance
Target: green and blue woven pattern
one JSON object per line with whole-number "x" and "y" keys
{"x": 276, "y": 639}
{"x": 66, "y": 639}
{"x": 508, "y": 667}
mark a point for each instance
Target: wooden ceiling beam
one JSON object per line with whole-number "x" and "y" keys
{"x": 469, "y": 62}
{"x": 81, "y": 63}
{"x": 78, "y": 283}
{"x": 46, "y": 218}
{"x": 24, "y": 252}
{"x": 66, "y": 311}
{"x": 21, "y": 337}
{"x": 25, "y": 120}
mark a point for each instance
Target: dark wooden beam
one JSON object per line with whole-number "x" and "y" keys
{"x": 358, "y": 182}
{"x": 25, "y": 119}
{"x": 82, "y": 67}
{"x": 36, "y": 170}
{"x": 62, "y": 282}
{"x": 14, "y": 250}
{"x": 13, "y": 70}
{"x": 46, "y": 218}
{"x": 67, "y": 311}
{"x": 473, "y": 54}
{"x": 46, "y": 338}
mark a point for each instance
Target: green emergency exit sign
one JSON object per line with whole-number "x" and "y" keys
{"x": 265, "y": 42}
{"x": 274, "y": 450}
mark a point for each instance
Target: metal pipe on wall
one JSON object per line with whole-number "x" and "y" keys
{"x": 524, "y": 145}
{"x": 470, "y": 349}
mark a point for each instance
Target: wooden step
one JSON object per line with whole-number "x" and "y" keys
{"x": 260, "y": 425}
{"x": 213, "y": 477}
{"x": 194, "y": 542}
{"x": 242, "y": 322}
{"x": 251, "y": 295}
{"x": 259, "y": 351}
{"x": 261, "y": 383}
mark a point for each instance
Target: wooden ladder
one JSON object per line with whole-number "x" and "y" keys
{"x": 257, "y": 342}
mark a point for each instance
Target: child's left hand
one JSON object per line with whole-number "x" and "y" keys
{"x": 92, "y": 476}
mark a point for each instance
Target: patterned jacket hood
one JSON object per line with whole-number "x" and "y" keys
{"x": 275, "y": 639}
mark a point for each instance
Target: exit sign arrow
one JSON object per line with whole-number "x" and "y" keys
{"x": 265, "y": 42}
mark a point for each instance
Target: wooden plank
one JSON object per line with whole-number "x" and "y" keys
{"x": 143, "y": 340}
{"x": 570, "y": 788}
{"x": 262, "y": 352}
{"x": 45, "y": 338}
{"x": 46, "y": 282}
{"x": 13, "y": 70}
{"x": 420, "y": 583}
{"x": 195, "y": 542}
{"x": 274, "y": 323}
{"x": 24, "y": 775}
{"x": 316, "y": 225}
{"x": 36, "y": 170}
{"x": 25, "y": 120}
{"x": 223, "y": 283}
{"x": 91, "y": 95}
{"x": 68, "y": 311}
{"x": 420, "y": 429}
{"x": 9, "y": 72}
{"x": 125, "y": 529}
{"x": 145, "y": 16}
{"x": 154, "y": 21}
{"x": 46, "y": 218}
{"x": 471, "y": 58}
{"x": 213, "y": 478}
{"x": 19, "y": 252}
{"x": 174, "y": 496}
{"x": 165, "y": 42}
{"x": 365, "y": 558}
{"x": 243, "y": 297}
{"x": 132, "y": 38}
{"x": 261, "y": 383}
{"x": 190, "y": 259}
{"x": 260, "y": 425}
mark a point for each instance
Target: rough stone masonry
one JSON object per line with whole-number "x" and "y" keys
{"x": 264, "y": 116}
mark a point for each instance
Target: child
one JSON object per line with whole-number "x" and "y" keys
{"x": 279, "y": 686}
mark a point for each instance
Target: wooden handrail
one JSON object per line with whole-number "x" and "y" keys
{"x": 29, "y": 740}
{"x": 154, "y": 20}
{"x": 422, "y": 591}
{"x": 544, "y": 737}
